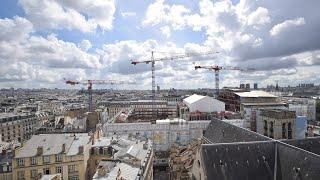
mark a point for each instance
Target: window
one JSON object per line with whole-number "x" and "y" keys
{"x": 20, "y": 162}
{"x": 20, "y": 174}
{"x": 271, "y": 130}
{"x": 33, "y": 173}
{"x": 284, "y": 131}
{"x": 58, "y": 158}
{"x": 73, "y": 178}
{"x": 289, "y": 131}
{"x": 72, "y": 168}
{"x": 101, "y": 150}
{"x": 5, "y": 168}
{"x": 46, "y": 159}
{"x": 46, "y": 170}
{"x": 33, "y": 160}
{"x": 59, "y": 169}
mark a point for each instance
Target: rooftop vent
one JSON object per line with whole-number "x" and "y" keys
{"x": 80, "y": 150}
{"x": 63, "y": 148}
{"x": 39, "y": 150}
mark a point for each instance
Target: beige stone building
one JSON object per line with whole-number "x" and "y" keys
{"x": 44, "y": 154}
{"x": 17, "y": 126}
{"x": 277, "y": 123}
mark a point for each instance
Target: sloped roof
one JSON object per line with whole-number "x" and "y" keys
{"x": 235, "y": 153}
{"x": 128, "y": 172}
{"x": 251, "y": 160}
{"x": 193, "y": 98}
{"x": 52, "y": 144}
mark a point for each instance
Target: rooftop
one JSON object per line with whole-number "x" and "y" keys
{"x": 53, "y": 144}
{"x": 255, "y": 94}
{"x": 130, "y": 155}
{"x": 236, "y": 153}
{"x": 118, "y": 169}
{"x": 193, "y": 98}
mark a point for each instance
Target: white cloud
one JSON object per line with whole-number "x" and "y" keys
{"x": 241, "y": 33}
{"x": 27, "y": 57}
{"x": 158, "y": 12}
{"x": 165, "y": 30}
{"x": 85, "y": 15}
{"x": 15, "y": 72}
{"x": 85, "y": 45}
{"x": 52, "y": 52}
{"x": 253, "y": 33}
{"x": 259, "y": 16}
{"x": 278, "y": 28}
{"x": 15, "y": 29}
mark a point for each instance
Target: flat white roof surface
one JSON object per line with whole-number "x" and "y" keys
{"x": 255, "y": 94}
{"x": 193, "y": 98}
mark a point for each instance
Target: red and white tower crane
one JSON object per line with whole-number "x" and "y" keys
{"x": 153, "y": 60}
{"x": 217, "y": 69}
{"x": 89, "y": 84}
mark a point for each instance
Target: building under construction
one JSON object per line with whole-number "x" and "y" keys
{"x": 237, "y": 99}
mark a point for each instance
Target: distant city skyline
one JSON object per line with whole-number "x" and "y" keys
{"x": 44, "y": 41}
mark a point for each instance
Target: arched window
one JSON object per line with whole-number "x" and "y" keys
{"x": 284, "y": 131}
{"x": 265, "y": 127}
{"x": 271, "y": 130}
{"x": 289, "y": 131}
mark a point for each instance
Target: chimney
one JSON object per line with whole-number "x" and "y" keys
{"x": 4, "y": 152}
{"x": 39, "y": 150}
{"x": 248, "y": 86}
{"x": 63, "y": 148}
{"x": 145, "y": 146}
{"x": 98, "y": 132}
{"x": 93, "y": 139}
{"x": 80, "y": 150}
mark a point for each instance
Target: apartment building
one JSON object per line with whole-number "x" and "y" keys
{"x": 44, "y": 154}
{"x": 6, "y": 157}
{"x": 17, "y": 126}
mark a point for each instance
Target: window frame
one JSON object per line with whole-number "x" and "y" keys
{"x": 20, "y": 162}
{"x": 46, "y": 159}
{"x": 33, "y": 161}
{"x": 58, "y": 157}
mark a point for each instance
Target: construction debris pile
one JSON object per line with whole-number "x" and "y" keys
{"x": 181, "y": 160}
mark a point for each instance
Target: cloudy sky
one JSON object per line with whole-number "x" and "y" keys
{"x": 44, "y": 41}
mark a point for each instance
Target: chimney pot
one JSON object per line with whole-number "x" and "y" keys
{"x": 63, "y": 147}
{"x": 39, "y": 150}
{"x": 4, "y": 152}
{"x": 80, "y": 149}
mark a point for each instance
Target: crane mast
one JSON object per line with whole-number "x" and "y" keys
{"x": 153, "y": 76}
{"x": 90, "y": 83}
{"x": 217, "y": 69}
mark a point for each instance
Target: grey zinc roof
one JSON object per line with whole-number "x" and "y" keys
{"x": 237, "y": 161}
{"x": 221, "y": 132}
{"x": 52, "y": 144}
{"x": 128, "y": 172}
{"x": 80, "y": 140}
{"x": 238, "y": 154}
